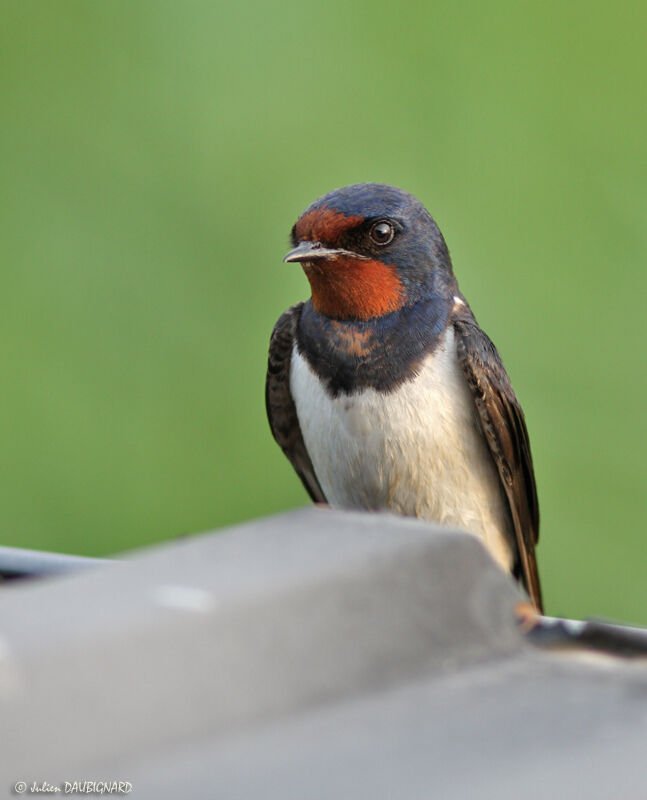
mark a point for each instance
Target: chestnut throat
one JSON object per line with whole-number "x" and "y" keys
{"x": 348, "y": 288}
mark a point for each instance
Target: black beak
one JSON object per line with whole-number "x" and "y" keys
{"x": 309, "y": 251}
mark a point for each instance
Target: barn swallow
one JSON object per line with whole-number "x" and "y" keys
{"x": 383, "y": 391}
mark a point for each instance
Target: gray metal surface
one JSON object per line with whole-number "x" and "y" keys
{"x": 316, "y": 654}
{"x": 526, "y": 728}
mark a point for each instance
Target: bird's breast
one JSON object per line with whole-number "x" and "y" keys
{"x": 417, "y": 450}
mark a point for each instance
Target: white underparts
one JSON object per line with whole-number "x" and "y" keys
{"x": 417, "y": 451}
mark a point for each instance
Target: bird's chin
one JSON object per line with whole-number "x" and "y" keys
{"x": 314, "y": 267}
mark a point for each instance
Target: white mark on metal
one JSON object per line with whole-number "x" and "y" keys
{"x": 184, "y": 598}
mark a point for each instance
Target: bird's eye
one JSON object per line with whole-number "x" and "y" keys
{"x": 382, "y": 233}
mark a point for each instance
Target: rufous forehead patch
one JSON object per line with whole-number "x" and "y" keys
{"x": 324, "y": 225}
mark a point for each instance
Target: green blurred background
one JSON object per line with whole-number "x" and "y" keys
{"x": 155, "y": 156}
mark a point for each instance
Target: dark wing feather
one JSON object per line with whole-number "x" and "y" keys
{"x": 281, "y": 411}
{"x": 504, "y": 427}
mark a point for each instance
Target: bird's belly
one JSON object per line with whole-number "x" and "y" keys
{"x": 417, "y": 450}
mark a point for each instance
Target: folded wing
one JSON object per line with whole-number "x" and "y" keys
{"x": 281, "y": 411}
{"x": 504, "y": 428}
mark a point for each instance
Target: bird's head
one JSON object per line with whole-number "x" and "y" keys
{"x": 370, "y": 249}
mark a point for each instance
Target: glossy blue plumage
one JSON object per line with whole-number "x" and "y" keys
{"x": 381, "y": 353}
